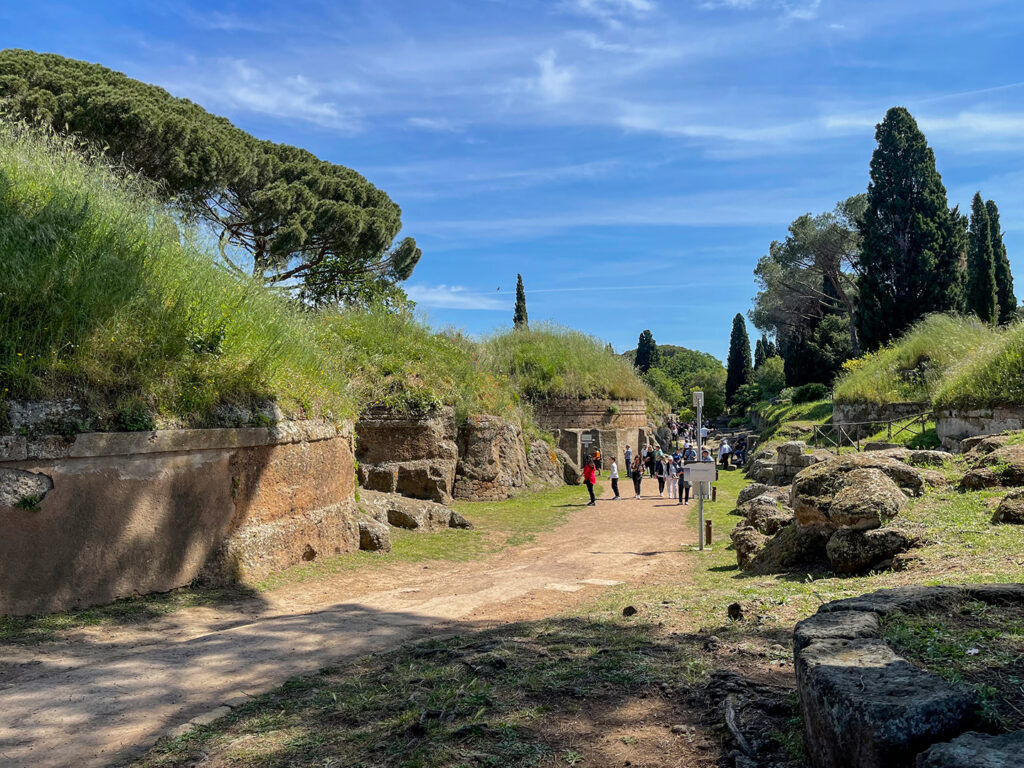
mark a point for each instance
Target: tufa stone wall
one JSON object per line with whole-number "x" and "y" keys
{"x": 591, "y": 414}
{"x": 129, "y": 513}
{"x": 953, "y": 426}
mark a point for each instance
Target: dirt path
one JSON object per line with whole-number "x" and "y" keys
{"x": 104, "y": 697}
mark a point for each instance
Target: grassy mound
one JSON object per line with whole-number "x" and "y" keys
{"x": 107, "y": 298}
{"x": 913, "y": 367}
{"x": 993, "y": 375}
{"x": 548, "y": 361}
{"x": 110, "y": 299}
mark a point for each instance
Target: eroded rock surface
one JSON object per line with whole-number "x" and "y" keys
{"x": 492, "y": 459}
{"x": 976, "y": 750}
{"x": 374, "y": 536}
{"x": 1010, "y": 508}
{"x": 852, "y": 551}
{"x": 544, "y": 464}
{"x": 403, "y": 512}
{"x": 791, "y": 547}
{"x": 19, "y": 487}
{"x": 1003, "y": 466}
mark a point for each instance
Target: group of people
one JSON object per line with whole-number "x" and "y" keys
{"x": 667, "y": 468}
{"x": 737, "y": 453}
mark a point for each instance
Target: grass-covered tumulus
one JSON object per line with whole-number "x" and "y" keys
{"x": 112, "y": 298}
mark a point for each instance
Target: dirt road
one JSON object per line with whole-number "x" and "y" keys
{"x": 103, "y": 698}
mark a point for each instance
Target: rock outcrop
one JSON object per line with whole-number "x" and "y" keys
{"x": 853, "y": 551}
{"x": 374, "y": 536}
{"x": 792, "y": 547}
{"x": 571, "y": 472}
{"x": 415, "y": 457}
{"x": 976, "y": 750}
{"x": 544, "y": 465}
{"x": 403, "y": 512}
{"x": 492, "y": 459}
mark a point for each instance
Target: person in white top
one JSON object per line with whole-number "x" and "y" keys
{"x": 613, "y": 473}
{"x": 723, "y": 453}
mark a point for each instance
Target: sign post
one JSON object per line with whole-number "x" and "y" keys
{"x": 698, "y": 403}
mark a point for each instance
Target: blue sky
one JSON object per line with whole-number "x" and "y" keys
{"x": 631, "y": 158}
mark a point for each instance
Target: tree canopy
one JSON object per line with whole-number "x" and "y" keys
{"x": 912, "y": 258}
{"x": 520, "y": 318}
{"x": 317, "y": 229}
{"x": 982, "y": 298}
{"x": 1004, "y": 277}
{"x": 738, "y": 367}
{"x": 646, "y": 352}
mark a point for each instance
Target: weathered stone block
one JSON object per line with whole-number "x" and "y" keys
{"x": 865, "y": 707}
{"x": 976, "y": 750}
{"x": 492, "y": 459}
{"x": 374, "y": 536}
{"x": 853, "y": 551}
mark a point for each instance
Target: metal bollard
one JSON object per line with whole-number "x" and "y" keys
{"x": 707, "y": 533}
{"x": 714, "y": 493}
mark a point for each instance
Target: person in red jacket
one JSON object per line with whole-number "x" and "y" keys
{"x": 589, "y": 478}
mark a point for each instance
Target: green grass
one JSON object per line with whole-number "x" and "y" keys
{"x": 912, "y": 368}
{"x": 548, "y": 361}
{"x": 973, "y": 644}
{"x": 789, "y": 421}
{"x": 992, "y": 376}
{"x": 496, "y": 526}
{"x": 110, "y": 298}
{"x": 910, "y": 433}
{"x": 504, "y": 697}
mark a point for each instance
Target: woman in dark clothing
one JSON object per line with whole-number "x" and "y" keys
{"x": 637, "y": 474}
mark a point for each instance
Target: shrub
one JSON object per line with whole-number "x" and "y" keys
{"x": 770, "y": 377}
{"x": 808, "y": 393}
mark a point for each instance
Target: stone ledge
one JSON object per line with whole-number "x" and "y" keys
{"x": 865, "y": 707}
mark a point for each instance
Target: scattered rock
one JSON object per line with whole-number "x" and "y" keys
{"x": 403, "y": 512}
{"x": 976, "y": 750}
{"x": 678, "y": 728}
{"x": 881, "y": 446}
{"x": 751, "y": 492}
{"x": 815, "y": 488}
{"x": 374, "y": 536}
{"x": 1004, "y": 466}
{"x": 748, "y": 542}
{"x": 793, "y": 546}
{"x": 455, "y": 520}
{"x": 735, "y": 612}
{"x": 629, "y": 610}
{"x": 1011, "y": 508}
{"x": 852, "y": 551}
{"x": 934, "y": 478}
{"x": 868, "y": 499}
{"x": 929, "y": 458}
{"x": 973, "y": 448}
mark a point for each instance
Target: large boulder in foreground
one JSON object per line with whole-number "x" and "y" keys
{"x": 868, "y": 499}
{"x": 415, "y": 514}
{"x": 976, "y": 750}
{"x": 492, "y": 459}
{"x": 374, "y": 536}
{"x": 851, "y": 551}
{"x": 766, "y": 514}
{"x": 815, "y": 488}
{"x": 1010, "y": 508}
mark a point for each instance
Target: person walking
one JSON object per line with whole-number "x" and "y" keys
{"x": 613, "y": 473}
{"x": 672, "y": 466}
{"x": 589, "y": 478}
{"x": 597, "y": 461}
{"x": 659, "y": 470}
{"x": 724, "y": 449}
{"x": 638, "y": 474}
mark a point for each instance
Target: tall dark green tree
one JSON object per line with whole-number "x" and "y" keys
{"x": 646, "y": 352}
{"x": 982, "y": 298}
{"x": 738, "y": 367}
{"x": 1004, "y": 277}
{"x": 759, "y": 355}
{"x": 520, "y": 319}
{"x": 912, "y": 258}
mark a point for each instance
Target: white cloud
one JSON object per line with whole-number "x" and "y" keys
{"x": 241, "y": 86}
{"x": 455, "y": 297}
{"x": 610, "y": 12}
{"x": 553, "y": 81}
{"x": 793, "y": 9}
{"x": 435, "y": 124}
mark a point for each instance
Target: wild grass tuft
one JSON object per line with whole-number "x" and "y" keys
{"x": 992, "y": 376}
{"x": 912, "y": 367}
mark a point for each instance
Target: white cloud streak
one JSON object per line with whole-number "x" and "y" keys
{"x": 455, "y": 297}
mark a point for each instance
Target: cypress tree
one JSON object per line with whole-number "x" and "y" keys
{"x": 1004, "y": 278}
{"x": 759, "y": 353}
{"x": 519, "y": 319}
{"x": 646, "y": 352}
{"x": 737, "y": 370}
{"x": 981, "y": 269}
{"x": 912, "y": 259}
